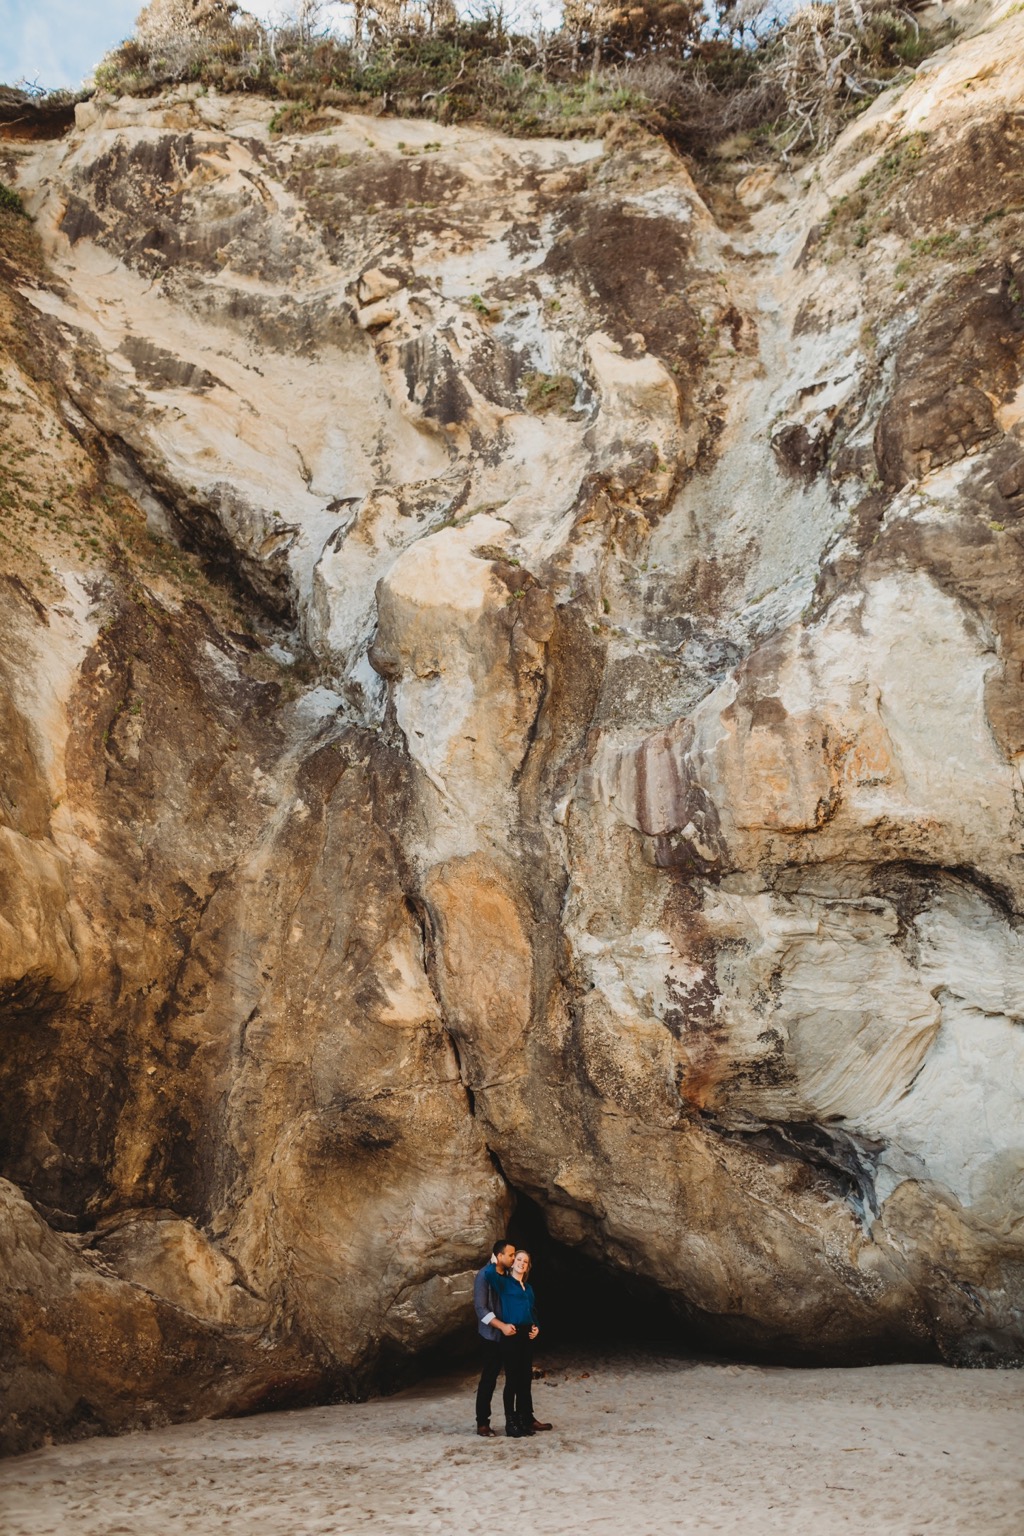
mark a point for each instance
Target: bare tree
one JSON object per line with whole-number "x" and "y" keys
{"x": 502, "y": 16}
{"x": 825, "y": 61}
{"x": 441, "y": 14}
{"x": 632, "y": 30}
{"x": 309, "y": 20}
{"x": 164, "y": 19}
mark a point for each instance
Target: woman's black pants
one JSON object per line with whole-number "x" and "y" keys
{"x": 517, "y": 1358}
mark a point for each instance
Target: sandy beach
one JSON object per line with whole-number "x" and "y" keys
{"x": 641, "y": 1444}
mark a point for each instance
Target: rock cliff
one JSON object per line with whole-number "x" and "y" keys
{"x": 513, "y": 684}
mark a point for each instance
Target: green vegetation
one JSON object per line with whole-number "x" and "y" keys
{"x": 864, "y": 213}
{"x": 19, "y": 245}
{"x": 549, "y": 392}
{"x": 877, "y": 207}
{"x": 699, "y": 77}
{"x": 10, "y": 202}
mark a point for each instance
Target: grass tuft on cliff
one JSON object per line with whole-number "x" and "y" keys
{"x": 10, "y": 201}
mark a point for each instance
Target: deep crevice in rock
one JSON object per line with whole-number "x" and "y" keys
{"x": 848, "y": 1163}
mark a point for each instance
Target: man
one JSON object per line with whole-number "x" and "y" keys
{"x": 490, "y": 1327}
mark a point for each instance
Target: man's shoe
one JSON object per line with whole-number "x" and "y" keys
{"x": 536, "y": 1425}
{"x": 486, "y": 1431}
{"x": 513, "y": 1429}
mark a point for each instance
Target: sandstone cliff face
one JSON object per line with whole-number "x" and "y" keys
{"x": 560, "y": 733}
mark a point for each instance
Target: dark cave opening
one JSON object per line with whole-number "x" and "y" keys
{"x": 587, "y": 1307}
{"x": 582, "y": 1305}
{"x": 582, "y": 1302}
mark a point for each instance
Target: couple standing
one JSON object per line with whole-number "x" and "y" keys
{"x": 507, "y": 1324}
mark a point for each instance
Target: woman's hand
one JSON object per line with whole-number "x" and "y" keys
{"x": 534, "y": 1331}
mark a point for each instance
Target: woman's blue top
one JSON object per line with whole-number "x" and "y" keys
{"x": 517, "y": 1301}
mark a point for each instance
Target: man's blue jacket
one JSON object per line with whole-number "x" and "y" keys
{"x": 486, "y": 1300}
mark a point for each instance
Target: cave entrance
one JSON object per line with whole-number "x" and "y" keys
{"x": 579, "y": 1301}
{"x": 583, "y": 1307}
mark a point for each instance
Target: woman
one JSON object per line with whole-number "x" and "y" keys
{"x": 518, "y": 1308}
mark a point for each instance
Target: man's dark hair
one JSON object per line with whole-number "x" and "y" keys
{"x": 502, "y": 1242}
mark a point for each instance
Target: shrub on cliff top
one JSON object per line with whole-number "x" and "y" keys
{"x": 692, "y": 76}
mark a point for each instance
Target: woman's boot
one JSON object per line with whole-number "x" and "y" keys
{"x": 513, "y": 1427}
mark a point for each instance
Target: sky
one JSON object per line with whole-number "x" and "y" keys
{"x": 55, "y": 43}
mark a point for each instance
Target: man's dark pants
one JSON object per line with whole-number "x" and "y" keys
{"x": 490, "y": 1352}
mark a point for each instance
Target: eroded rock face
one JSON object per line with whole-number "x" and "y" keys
{"x": 642, "y": 831}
